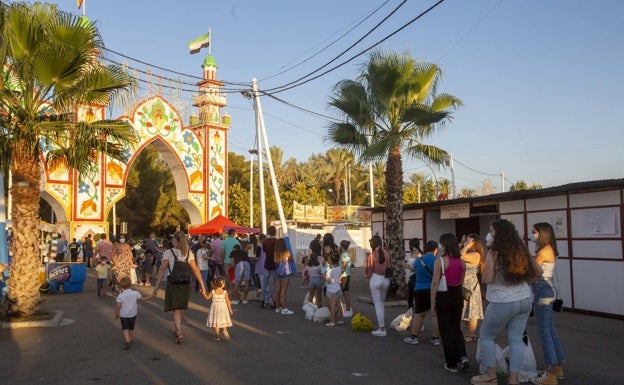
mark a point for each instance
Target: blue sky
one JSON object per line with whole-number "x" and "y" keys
{"x": 541, "y": 81}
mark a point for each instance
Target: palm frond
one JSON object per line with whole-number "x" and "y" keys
{"x": 428, "y": 153}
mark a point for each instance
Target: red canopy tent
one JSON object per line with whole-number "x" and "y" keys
{"x": 221, "y": 224}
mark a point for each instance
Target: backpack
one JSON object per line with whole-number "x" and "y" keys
{"x": 181, "y": 272}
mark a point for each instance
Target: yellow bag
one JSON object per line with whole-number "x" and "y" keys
{"x": 360, "y": 323}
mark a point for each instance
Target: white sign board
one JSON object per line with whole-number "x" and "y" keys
{"x": 455, "y": 211}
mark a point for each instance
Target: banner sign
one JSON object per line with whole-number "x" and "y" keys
{"x": 58, "y": 272}
{"x": 308, "y": 212}
{"x": 455, "y": 211}
{"x": 349, "y": 214}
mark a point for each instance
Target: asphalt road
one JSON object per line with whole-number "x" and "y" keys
{"x": 266, "y": 348}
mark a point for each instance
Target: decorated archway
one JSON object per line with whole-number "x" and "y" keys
{"x": 196, "y": 155}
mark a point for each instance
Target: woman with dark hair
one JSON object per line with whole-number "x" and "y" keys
{"x": 543, "y": 296}
{"x": 447, "y": 305}
{"x": 177, "y": 295}
{"x": 410, "y": 277}
{"x": 473, "y": 255}
{"x": 508, "y": 269}
{"x": 329, "y": 246}
{"x": 376, "y": 264}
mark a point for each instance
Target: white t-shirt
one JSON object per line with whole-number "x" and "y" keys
{"x": 202, "y": 264}
{"x": 128, "y": 299}
{"x": 169, "y": 256}
{"x": 333, "y": 280}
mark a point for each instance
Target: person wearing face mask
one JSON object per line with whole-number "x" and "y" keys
{"x": 544, "y": 291}
{"x": 508, "y": 269}
{"x": 473, "y": 254}
{"x": 121, "y": 257}
{"x": 448, "y": 305}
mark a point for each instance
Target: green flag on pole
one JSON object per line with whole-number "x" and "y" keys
{"x": 201, "y": 42}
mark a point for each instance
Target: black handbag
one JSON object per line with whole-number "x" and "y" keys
{"x": 557, "y": 305}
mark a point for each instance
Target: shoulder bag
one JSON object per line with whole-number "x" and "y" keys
{"x": 442, "y": 287}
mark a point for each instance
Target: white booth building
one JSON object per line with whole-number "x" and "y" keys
{"x": 586, "y": 217}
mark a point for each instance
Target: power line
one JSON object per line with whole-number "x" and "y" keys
{"x": 170, "y": 70}
{"x": 364, "y": 51}
{"x": 370, "y": 14}
{"x": 299, "y": 108}
{"x": 344, "y": 51}
{"x": 469, "y": 31}
{"x": 477, "y": 171}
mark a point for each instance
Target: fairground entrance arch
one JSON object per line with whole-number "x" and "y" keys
{"x": 196, "y": 155}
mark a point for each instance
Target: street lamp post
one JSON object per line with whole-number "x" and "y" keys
{"x": 334, "y": 196}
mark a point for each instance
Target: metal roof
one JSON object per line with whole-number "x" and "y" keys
{"x": 570, "y": 188}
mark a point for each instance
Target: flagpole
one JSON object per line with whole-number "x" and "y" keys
{"x": 84, "y": 7}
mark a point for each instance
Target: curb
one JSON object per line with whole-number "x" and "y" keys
{"x": 54, "y": 322}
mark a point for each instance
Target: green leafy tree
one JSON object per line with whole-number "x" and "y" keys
{"x": 523, "y": 185}
{"x": 51, "y": 65}
{"x": 423, "y": 185}
{"x": 387, "y": 112}
{"x": 238, "y": 204}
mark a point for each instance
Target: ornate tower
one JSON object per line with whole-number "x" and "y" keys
{"x": 212, "y": 127}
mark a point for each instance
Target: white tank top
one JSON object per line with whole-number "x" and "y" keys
{"x": 548, "y": 268}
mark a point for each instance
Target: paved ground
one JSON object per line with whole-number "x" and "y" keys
{"x": 266, "y": 348}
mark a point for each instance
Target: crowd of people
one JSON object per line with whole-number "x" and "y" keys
{"x": 444, "y": 281}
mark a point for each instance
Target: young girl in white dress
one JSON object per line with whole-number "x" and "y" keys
{"x": 220, "y": 309}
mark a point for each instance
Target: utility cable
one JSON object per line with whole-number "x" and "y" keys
{"x": 360, "y": 53}
{"x": 328, "y": 45}
{"x": 344, "y": 51}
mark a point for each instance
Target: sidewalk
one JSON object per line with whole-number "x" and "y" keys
{"x": 266, "y": 348}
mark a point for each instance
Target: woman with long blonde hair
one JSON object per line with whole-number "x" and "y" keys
{"x": 283, "y": 273}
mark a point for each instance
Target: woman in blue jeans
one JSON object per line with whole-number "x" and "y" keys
{"x": 543, "y": 296}
{"x": 508, "y": 268}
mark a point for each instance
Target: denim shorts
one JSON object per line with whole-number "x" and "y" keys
{"x": 242, "y": 272}
{"x": 315, "y": 282}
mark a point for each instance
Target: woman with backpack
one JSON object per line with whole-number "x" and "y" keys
{"x": 180, "y": 263}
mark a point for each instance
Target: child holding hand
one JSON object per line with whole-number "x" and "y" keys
{"x": 126, "y": 309}
{"x": 220, "y": 309}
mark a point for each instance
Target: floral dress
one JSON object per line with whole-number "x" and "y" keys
{"x": 473, "y": 308}
{"x": 218, "y": 315}
{"x": 122, "y": 261}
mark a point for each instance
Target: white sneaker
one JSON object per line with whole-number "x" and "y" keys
{"x": 287, "y": 312}
{"x": 234, "y": 302}
{"x": 245, "y": 302}
{"x": 278, "y": 310}
{"x": 141, "y": 284}
{"x": 411, "y": 340}
{"x": 348, "y": 313}
{"x": 379, "y": 333}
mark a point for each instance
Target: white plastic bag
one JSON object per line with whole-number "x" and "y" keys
{"x": 402, "y": 321}
{"x": 321, "y": 315}
{"x": 309, "y": 309}
{"x": 502, "y": 369}
{"x": 528, "y": 371}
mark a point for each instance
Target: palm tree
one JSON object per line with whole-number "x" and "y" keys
{"x": 50, "y": 67}
{"x": 339, "y": 161}
{"x": 389, "y": 111}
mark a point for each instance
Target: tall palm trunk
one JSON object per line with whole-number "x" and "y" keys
{"x": 394, "y": 212}
{"x": 23, "y": 283}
